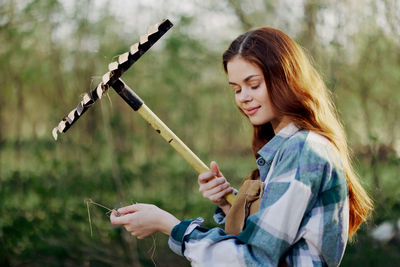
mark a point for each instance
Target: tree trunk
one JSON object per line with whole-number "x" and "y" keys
{"x": 246, "y": 24}
{"x": 309, "y": 38}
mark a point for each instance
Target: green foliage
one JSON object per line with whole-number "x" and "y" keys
{"x": 50, "y": 55}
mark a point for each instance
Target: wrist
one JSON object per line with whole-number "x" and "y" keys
{"x": 225, "y": 208}
{"x": 168, "y": 222}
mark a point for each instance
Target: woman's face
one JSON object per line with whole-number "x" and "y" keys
{"x": 251, "y": 93}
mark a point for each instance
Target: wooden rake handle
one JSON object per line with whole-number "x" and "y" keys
{"x": 138, "y": 105}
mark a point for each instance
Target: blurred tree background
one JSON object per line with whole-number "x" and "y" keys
{"x": 51, "y": 52}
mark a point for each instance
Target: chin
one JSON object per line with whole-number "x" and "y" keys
{"x": 258, "y": 122}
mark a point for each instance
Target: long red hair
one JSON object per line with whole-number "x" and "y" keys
{"x": 297, "y": 91}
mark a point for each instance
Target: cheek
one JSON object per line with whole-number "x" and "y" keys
{"x": 264, "y": 97}
{"x": 237, "y": 101}
{"x": 268, "y": 101}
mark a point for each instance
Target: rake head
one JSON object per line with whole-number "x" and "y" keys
{"x": 115, "y": 70}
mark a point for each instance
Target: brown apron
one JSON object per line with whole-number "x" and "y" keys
{"x": 246, "y": 203}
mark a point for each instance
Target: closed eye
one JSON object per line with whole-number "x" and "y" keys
{"x": 236, "y": 88}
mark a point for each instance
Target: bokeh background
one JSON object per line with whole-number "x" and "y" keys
{"x": 52, "y": 52}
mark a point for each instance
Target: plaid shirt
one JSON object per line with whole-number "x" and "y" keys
{"x": 303, "y": 215}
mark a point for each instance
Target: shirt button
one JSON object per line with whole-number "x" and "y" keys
{"x": 260, "y": 162}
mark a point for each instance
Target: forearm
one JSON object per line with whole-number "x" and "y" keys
{"x": 225, "y": 208}
{"x": 201, "y": 245}
{"x": 167, "y": 223}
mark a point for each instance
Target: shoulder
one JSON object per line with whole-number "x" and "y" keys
{"x": 315, "y": 158}
{"x": 308, "y": 146}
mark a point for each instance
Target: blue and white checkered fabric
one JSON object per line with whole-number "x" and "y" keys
{"x": 303, "y": 216}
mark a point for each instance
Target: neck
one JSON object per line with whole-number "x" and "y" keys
{"x": 279, "y": 124}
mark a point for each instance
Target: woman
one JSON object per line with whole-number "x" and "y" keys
{"x": 310, "y": 202}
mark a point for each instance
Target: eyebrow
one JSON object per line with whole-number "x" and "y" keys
{"x": 246, "y": 79}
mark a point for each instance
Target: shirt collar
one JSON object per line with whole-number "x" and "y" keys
{"x": 268, "y": 151}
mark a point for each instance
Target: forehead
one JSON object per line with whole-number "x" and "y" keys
{"x": 239, "y": 69}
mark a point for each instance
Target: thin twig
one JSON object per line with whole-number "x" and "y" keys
{"x": 90, "y": 221}
{"x": 98, "y": 204}
{"x": 90, "y": 201}
{"x": 153, "y": 250}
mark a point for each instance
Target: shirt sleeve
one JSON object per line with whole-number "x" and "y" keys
{"x": 219, "y": 215}
{"x": 273, "y": 231}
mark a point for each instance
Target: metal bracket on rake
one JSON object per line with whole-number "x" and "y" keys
{"x": 112, "y": 78}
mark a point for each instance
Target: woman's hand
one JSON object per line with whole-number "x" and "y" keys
{"x": 143, "y": 220}
{"x": 215, "y": 189}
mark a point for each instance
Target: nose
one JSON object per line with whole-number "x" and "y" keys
{"x": 244, "y": 95}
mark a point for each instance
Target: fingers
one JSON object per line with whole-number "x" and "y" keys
{"x": 140, "y": 220}
{"x": 205, "y": 177}
{"x": 117, "y": 220}
{"x": 128, "y": 209}
{"x": 134, "y": 208}
{"x": 204, "y": 187}
{"x": 215, "y": 183}
{"x": 216, "y": 190}
{"x": 121, "y": 218}
{"x": 215, "y": 169}
{"x": 219, "y": 196}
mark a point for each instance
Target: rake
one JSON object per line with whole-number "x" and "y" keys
{"x": 112, "y": 79}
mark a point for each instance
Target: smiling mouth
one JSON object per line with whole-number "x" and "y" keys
{"x": 251, "y": 111}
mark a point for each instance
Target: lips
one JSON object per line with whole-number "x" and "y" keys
{"x": 251, "y": 111}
